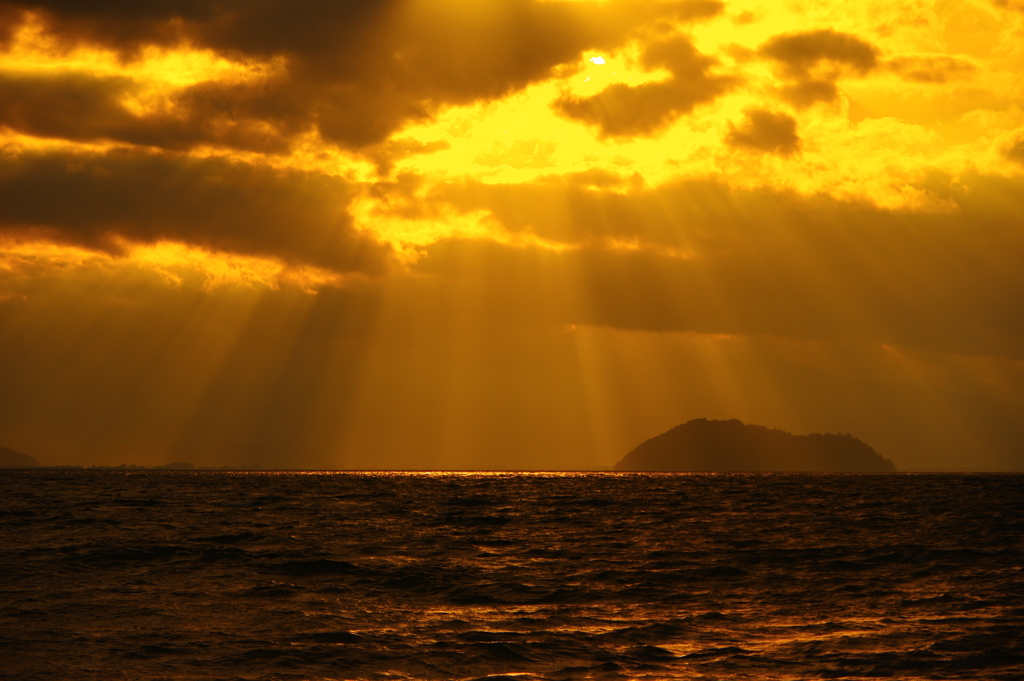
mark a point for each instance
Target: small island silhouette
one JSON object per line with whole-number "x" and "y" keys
{"x": 703, "y": 445}
{"x": 12, "y": 459}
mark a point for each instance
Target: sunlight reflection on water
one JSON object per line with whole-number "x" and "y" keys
{"x": 552, "y": 575}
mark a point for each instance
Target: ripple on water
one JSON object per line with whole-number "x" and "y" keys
{"x": 510, "y": 576}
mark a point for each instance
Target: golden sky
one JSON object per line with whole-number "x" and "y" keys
{"x": 508, "y": 233}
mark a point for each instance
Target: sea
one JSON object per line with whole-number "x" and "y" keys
{"x": 152, "y": 575}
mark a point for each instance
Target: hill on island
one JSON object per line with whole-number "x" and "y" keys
{"x": 703, "y": 445}
{"x": 12, "y": 459}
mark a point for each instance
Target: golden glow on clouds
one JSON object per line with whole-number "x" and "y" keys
{"x": 385, "y": 220}
{"x": 156, "y": 73}
{"x": 617, "y": 213}
{"x": 220, "y": 269}
{"x": 936, "y": 102}
{"x": 174, "y": 262}
{"x": 32, "y": 49}
{"x": 944, "y": 97}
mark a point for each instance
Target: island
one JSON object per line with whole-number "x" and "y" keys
{"x": 12, "y": 459}
{"x": 703, "y": 445}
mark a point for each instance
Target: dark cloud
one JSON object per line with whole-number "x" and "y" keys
{"x": 931, "y": 68}
{"x": 803, "y": 52}
{"x": 300, "y": 217}
{"x": 816, "y": 59}
{"x": 10, "y": 19}
{"x": 83, "y": 107}
{"x": 1015, "y": 5}
{"x": 70, "y": 105}
{"x": 1015, "y": 152}
{"x": 808, "y": 92}
{"x": 356, "y": 71}
{"x": 624, "y": 111}
{"x": 731, "y": 261}
{"x": 765, "y": 131}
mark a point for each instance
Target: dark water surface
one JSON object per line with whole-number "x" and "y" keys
{"x": 211, "y": 575}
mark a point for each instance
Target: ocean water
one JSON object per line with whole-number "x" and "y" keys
{"x": 213, "y": 575}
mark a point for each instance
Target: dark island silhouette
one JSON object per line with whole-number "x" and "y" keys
{"x": 703, "y": 445}
{"x": 12, "y": 459}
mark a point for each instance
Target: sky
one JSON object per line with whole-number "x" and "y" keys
{"x": 508, "y": 234}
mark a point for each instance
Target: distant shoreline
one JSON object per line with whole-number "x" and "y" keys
{"x": 496, "y": 471}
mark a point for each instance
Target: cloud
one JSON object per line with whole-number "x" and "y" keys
{"x": 535, "y": 153}
{"x": 1015, "y": 152}
{"x": 355, "y": 71}
{"x": 10, "y": 19}
{"x": 70, "y": 105}
{"x": 808, "y": 92}
{"x": 299, "y": 217}
{"x": 699, "y": 256}
{"x": 624, "y": 111}
{"x": 815, "y": 60}
{"x": 84, "y": 107}
{"x": 931, "y": 68}
{"x": 1015, "y": 5}
{"x": 765, "y": 131}
{"x": 803, "y": 52}
{"x": 774, "y": 294}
